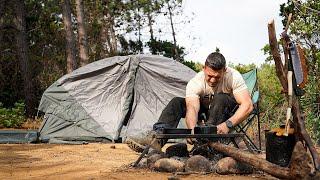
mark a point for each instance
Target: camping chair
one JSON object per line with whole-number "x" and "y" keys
{"x": 250, "y": 78}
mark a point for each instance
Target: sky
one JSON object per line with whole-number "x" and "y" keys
{"x": 239, "y": 28}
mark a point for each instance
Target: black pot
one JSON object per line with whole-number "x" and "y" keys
{"x": 176, "y": 131}
{"x": 206, "y": 129}
{"x": 279, "y": 148}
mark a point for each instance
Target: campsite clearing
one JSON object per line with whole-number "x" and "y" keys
{"x": 91, "y": 161}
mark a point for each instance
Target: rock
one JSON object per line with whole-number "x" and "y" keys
{"x": 168, "y": 165}
{"x": 182, "y": 159}
{"x": 242, "y": 145}
{"x": 152, "y": 159}
{"x": 207, "y": 152}
{"x": 113, "y": 147}
{"x": 228, "y": 165}
{"x": 198, "y": 164}
{"x": 179, "y": 150}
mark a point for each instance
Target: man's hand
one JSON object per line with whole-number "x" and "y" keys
{"x": 222, "y": 128}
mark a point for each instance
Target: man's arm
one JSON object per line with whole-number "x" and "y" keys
{"x": 193, "y": 107}
{"x": 245, "y": 107}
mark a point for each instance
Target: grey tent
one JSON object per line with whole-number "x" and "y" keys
{"x": 115, "y": 97}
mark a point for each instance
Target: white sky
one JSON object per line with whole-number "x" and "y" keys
{"x": 237, "y": 27}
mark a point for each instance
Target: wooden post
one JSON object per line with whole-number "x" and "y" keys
{"x": 276, "y": 56}
{"x": 298, "y": 118}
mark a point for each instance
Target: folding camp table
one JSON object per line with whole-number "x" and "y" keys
{"x": 209, "y": 137}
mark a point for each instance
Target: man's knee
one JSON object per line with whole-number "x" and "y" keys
{"x": 177, "y": 101}
{"x": 222, "y": 99}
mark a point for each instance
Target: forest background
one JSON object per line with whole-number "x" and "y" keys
{"x": 41, "y": 40}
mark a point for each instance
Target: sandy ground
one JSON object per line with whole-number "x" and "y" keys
{"x": 91, "y": 161}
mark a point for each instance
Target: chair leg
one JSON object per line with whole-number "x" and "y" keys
{"x": 242, "y": 130}
{"x": 250, "y": 142}
{"x": 247, "y": 144}
{"x": 259, "y": 129}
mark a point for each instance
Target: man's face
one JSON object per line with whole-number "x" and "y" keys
{"x": 213, "y": 77}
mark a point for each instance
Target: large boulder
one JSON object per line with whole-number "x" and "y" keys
{"x": 182, "y": 159}
{"x": 228, "y": 165}
{"x": 152, "y": 159}
{"x": 198, "y": 163}
{"x": 168, "y": 165}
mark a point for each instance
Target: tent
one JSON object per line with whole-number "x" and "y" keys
{"x": 115, "y": 97}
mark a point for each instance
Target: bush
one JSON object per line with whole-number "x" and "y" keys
{"x": 12, "y": 117}
{"x": 196, "y": 66}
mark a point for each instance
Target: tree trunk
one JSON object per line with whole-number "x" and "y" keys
{"x": 70, "y": 42}
{"x": 150, "y": 25}
{"x": 108, "y": 33}
{"x": 82, "y": 34}
{"x": 105, "y": 42}
{"x": 22, "y": 51}
{"x": 113, "y": 36}
{"x": 3, "y": 4}
{"x": 176, "y": 56}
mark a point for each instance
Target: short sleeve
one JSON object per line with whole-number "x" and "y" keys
{"x": 238, "y": 83}
{"x": 193, "y": 88}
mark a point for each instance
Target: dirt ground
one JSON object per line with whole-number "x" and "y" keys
{"x": 91, "y": 161}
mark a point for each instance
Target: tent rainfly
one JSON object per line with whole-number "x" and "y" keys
{"x": 115, "y": 97}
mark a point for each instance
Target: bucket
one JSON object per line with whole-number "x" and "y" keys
{"x": 279, "y": 148}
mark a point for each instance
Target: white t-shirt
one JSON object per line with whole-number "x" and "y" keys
{"x": 231, "y": 83}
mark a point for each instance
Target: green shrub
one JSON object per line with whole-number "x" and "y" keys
{"x": 196, "y": 66}
{"x": 12, "y": 117}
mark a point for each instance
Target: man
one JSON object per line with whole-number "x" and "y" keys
{"x": 217, "y": 94}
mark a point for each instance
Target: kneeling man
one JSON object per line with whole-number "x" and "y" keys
{"x": 217, "y": 94}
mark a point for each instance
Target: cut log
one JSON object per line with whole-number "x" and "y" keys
{"x": 253, "y": 160}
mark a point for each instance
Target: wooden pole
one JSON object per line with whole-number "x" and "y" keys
{"x": 276, "y": 56}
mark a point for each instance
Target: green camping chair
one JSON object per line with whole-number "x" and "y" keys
{"x": 250, "y": 78}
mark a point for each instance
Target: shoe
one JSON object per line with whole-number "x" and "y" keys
{"x": 135, "y": 146}
{"x": 138, "y": 144}
{"x": 154, "y": 143}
